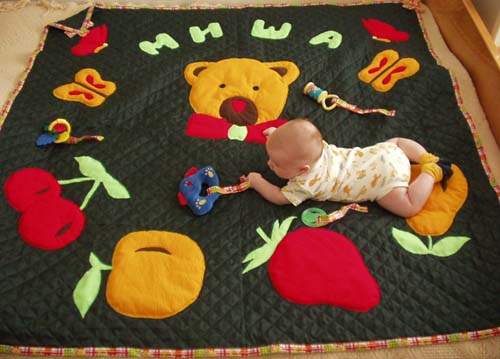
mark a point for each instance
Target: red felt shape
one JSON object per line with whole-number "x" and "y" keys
{"x": 30, "y": 185}
{"x": 205, "y": 126}
{"x": 51, "y": 224}
{"x": 91, "y": 43}
{"x": 384, "y": 31}
{"x": 396, "y": 70}
{"x": 319, "y": 266}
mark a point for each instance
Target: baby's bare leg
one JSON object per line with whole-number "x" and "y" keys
{"x": 407, "y": 202}
{"x": 413, "y": 150}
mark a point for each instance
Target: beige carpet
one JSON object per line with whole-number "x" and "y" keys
{"x": 21, "y": 24}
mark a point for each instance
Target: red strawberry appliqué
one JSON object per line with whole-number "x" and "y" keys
{"x": 316, "y": 266}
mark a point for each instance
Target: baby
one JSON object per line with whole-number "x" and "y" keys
{"x": 319, "y": 171}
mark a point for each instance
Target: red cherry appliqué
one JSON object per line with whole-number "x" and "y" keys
{"x": 49, "y": 221}
{"x": 51, "y": 224}
{"x": 30, "y": 185}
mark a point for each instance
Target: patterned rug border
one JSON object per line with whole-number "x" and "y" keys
{"x": 272, "y": 348}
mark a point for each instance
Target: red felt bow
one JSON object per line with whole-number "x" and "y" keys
{"x": 384, "y": 31}
{"x": 94, "y": 41}
{"x": 206, "y": 126}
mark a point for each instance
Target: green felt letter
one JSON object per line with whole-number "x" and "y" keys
{"x": 271, "y": 33}
{"x": 162, "y": 39}
{"x": 198, "y": 35}
{"x": 332, "y": 38}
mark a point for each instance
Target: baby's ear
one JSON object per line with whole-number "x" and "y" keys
{"x": 305, "y": 169}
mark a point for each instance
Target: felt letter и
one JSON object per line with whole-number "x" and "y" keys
{"x": 198, "y": 35}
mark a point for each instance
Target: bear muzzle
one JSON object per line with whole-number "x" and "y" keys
{"x": 239, "y": 110}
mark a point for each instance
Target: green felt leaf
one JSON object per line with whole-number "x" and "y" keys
{"x": 87, "y": 288}
{"x": 279, "y": 233}
{"x": 409, "y": 242}
{"x": 258, "y": 257}
{"x": 261, "y": 255}
{"x": 448, "y": 246}
{"x": 91, "y": 168}
{"x": 96, "y": 263}
{"x": 115, "y": 189}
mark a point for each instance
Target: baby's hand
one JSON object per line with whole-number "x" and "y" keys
{"x": 268, "y": 131}
{"x": 253, "y": 177}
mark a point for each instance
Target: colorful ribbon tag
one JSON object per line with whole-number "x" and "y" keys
{"x": 82, "y": 31}
{"x": 321, "y": 96}
{"x": 323, "y": 220}
{"x": 243, "y": 186}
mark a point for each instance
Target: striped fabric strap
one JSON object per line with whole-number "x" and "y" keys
{"x": 82, "y": 31}
{"x": 72, "y": 140}
{"x": 338, "y": 101}
{"x": 243, "y": 186}
{"x": 338, "y": 214}
{"x": 322, "y": 97}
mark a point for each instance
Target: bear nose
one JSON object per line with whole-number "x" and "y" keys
{"x": 238, "y": 105}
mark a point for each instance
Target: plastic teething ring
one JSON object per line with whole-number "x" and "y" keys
{"x": 334, "y": 99}
{"x": 62, "y": 136}
{"x": 310, "y": 215}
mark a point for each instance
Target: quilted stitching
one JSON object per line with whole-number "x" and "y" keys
{"x": 146, "y": 149}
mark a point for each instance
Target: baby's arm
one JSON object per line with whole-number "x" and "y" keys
{"x": 266, "y": 189}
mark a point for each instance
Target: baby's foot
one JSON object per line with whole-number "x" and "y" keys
{"x": 446, "y": 169}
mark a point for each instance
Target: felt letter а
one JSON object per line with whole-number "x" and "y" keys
{"x": 332, "y": 38}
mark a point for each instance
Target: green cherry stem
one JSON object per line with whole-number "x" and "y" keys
{"x": 83, "y": 179}
{"x": 90, "y": 194}
{"x": 75, "y": 180}
{"x": 430, "y": 242}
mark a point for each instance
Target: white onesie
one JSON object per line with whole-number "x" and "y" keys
{"x": 351, "y": 174}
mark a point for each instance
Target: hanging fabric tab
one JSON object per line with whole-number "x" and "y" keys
{"x": 330, "y": 101}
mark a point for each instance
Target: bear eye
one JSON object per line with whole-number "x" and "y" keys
{"x": 222, "y": 86}
{"x": 255, "y": 88}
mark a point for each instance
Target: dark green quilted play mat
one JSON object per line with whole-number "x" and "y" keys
{"x": 99, "y": 252}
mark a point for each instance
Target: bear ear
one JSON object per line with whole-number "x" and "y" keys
{"x": 286, "y": 69}
{"x": 192, "y": 70}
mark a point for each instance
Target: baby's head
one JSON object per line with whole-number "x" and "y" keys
{"x": 294, "y": 148}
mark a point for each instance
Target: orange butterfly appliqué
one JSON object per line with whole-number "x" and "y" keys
{"x": 89, "y": 88}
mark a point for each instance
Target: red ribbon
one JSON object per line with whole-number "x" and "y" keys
{"x": 206, "y": 126}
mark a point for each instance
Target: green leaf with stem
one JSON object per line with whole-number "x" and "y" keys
{"x": 409, "y": 242}
{"x": 448, "y": 246}
{"x": 91, "y": 167}
{"x": 93, "y": 170}
{"x": 261, "y": 255}
{"x": 87, "y": 288}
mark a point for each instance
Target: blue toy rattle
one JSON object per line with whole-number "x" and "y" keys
{"x": 199, "y": 189}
